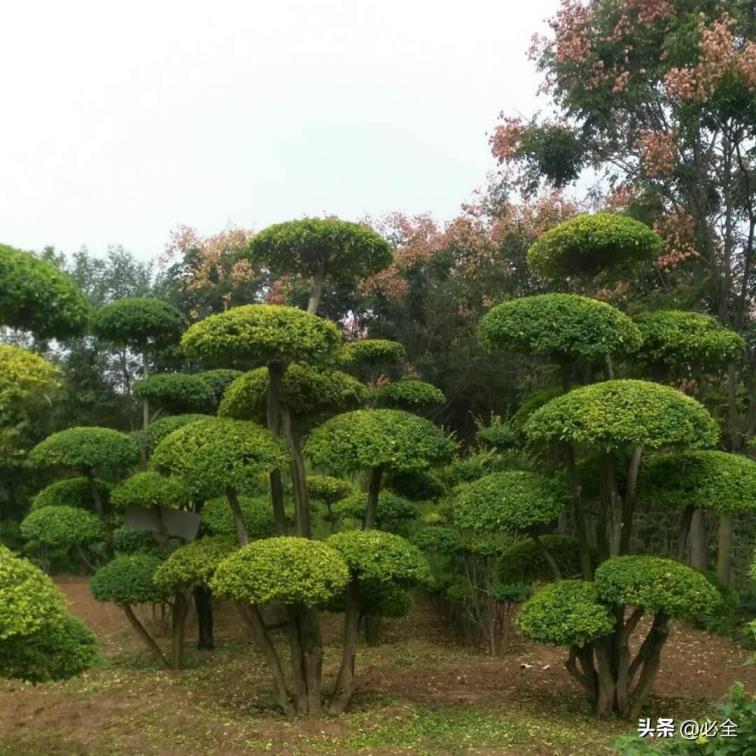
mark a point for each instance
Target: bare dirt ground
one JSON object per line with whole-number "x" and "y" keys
{"x": 418, "y": 692}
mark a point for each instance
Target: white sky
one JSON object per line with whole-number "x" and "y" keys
{"x": 120, "y": 121}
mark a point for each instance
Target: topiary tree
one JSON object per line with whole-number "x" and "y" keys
{"x": 717, "y": 481}
{"x": 128, "y": 581}
{"x": 63, "y": 527}
{"x": 372, "y": 358}
{"x": 273, "y": 336}
{"x": 220, "y": 456}
{"x": 217, "y": 519}
{"x": 188, "y": 568}
{"x": 142, "y": 324}
{"x": 377, "y": 441}
{"x": 157, "y": 430}
{"x": 151, "y": 489}
{"x": 514, "y": 501}
{"x": 218, "y": 380}
{"x": 71, "y": 492}
{"x": 321, "y": 249}
{"x": 38, "y": 297}
{"x": 299, "y": 574}
{"x": 377, "y": 558}
{"x": 392, "y": 512}
{"x": 40, "y": 640}
{"x": 409, "y": 394}
{"x": 329, "y": 490}
{"x": 176, "y": 393}
{"x": 592, "y": 619}
{"x": 588, "y": 244}
{"x": 617, "y": 420}
{"x": 565, "y": 328}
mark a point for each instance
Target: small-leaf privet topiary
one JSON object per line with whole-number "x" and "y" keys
{"x": 220, "y": 456}
{"x": 392, "y": 512}
{"x": 71, "y": 492}
{"x": 588, "y": 244}
{"x": 40, "y": 641}
{"x": 321, "y": 249}
{"x": 377, "y": 440}
{"x": 157, "y": 430}
{"x": 219, "y": 380}
{"x": 217, "y": 518}
{"x": 384, "y": 560}
{"x": 194, "y": 563}
{"x": 126, "y": 581}
{"x": 176, "y": 393}
{"x": 329, "y": 490}
{"x": 561, "y": 327}
{"x": 684, "y": 342}
{"x": 513, "y": 501}
{"x": 151, "y": 489}
{"x": 62, "y": 526}
{"x": 371, "y": 358}
{"x": 38, "y": 297}
{"x": 409, "y": 394}
{"x": 300, "y": 574}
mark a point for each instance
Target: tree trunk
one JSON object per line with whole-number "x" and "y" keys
{"x": 580, "y": 525}
{"x": 233, "y": 503}
{"x": 374, "y": 489}
{"x": 275, "y": 392}
{"x": 179, "y": 610}
{"x": 149, "y": 641}
{"x": 298, "y": 477}
{"x": 316, "y": 290}
{"x": 203, "y": 603}
{"x": 724, "y": 548}
{"x": 344, "y": 687}
{"x": 650, "y": 655}
{"x": 698, "y": 540}
{"x": 628, "y": 501}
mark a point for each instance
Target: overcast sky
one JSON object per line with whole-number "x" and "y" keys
{"x": 121, "y": 121}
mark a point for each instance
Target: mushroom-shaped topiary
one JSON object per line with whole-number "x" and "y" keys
{"x": 156, "y": 431}
{"x": 619, "y": 419}
{"x": 71, "y": 492}
{"x": 176, "y": 392}
{"x": 321, "y": 249}
{"x": 217, "y": 456}
{"x": 300, "y": 574}
{"x": 151, "y": 489}
{"x": 194, "y": 563}
{"x": 329, "y": 490}
{"x": 686, "y": 342}
{"x": 378, "y": 558}
{"x": 62, "y": 526}
{"x": 514, "y": 501}
{"x": 409, "y": 394}
{"x": 561, "y": 327}
{"x": 371, "y": 358}
{"x": 38, "y": 297}
{"x": 377, "y": 440}
{"x": 587, "y": 244}
{"x": 393, "y": 510}
{"x": 126, "y": 581}
{"x": 217, "y": 518}
{"x": 306, "y": 391}
{"x": 40, "y": 640}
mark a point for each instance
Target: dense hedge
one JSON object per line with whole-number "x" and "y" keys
{"x": 373, "y": 353}
{"x": 151, "y": 489}
{"x": 326, "y": 488}
{"x": 217, "y": 519}
{"x": 408, "y": 394}
{"x": 177, "y": 392}
{"x": 128, "y": 579}
{"x": 70, "y": 492}
{"x": 587, "y": 244}
{"x": 157, "y": 430}
{"x": 140, "y": 323}
{"x": 62, "y": 526}
{"x": 559, "y": 326}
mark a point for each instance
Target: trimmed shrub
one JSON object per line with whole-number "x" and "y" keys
{"x": 218, "y": 380}
{"x": 70, "y": 492}
{"x": 62, "y": 526}
{"x": 373, "y": 353}
{"x": 328, "y": 489}
{"x": 257, "y": 514}
{"x": 128, "y": 579}
{"x": 151, "y": 489}
{"x": 25, "y": 378}
{"x": 194, "y": 563}
{"x": 140, "y": 323}
{"x": 392, "y": 511}
{"x": 408, "y": 394}
{"x": 177, "y": 392}
{"x": 156, "y": 431}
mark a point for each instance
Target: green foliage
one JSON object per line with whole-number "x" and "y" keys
{"x": 260, "y": 334}
{"x": 380, "y": 599}
{"x": 128, "y": 579}
{"x": 62, "y": 526}
{"x": 156, "y": 431}
{"x": 588, "y": 244}
{"x": 328, "y": 489}
{"x": 194, "y": 563}
{"x": 475, "y": 466}
{"x": 70, "y": 492}
{"x": 257, "y": 513}
{"x": 218, "y": 380}
{"x": 141, "y": 323}
{"x": 28, "y": 598}
{"x": 530, "y": 405}
{"x": 283, "y": 570}
{"x": 381, "y": 557}
{"x": 713, "y": 480}
{"x": 563, "y": 327}
{"x": 24, "y": 377}
{"x": 515, "y": 501}
{"x": 375, "y": 354}
{"x": 177, "y": 392}
{"x": 497, "y": 435}
{"x": 128, "y": 540}
{"x": 623, "y": 413}
{"x": 306, "y": 390}
{"x": 36, "y": 296}
{"x": 408, "y": 394}
{"x": 656, "y": 585}
{"x": 57, "y": 651}
{"x": 415, "y": 485}
{"x": 365, "y": 439}
{"x": 215, "y": 453}
{"x": 524, "y": 562}
{"x": 680, "y": 340}
{"x": 392, "y": 511}
{"x": 88, "y": 450}
{"x": 343, "y": 251}
{"x": 565, "y": 612}
{"x": 151, "y": 489}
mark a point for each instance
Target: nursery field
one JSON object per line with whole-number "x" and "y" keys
{"x": 418, "y": 692}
